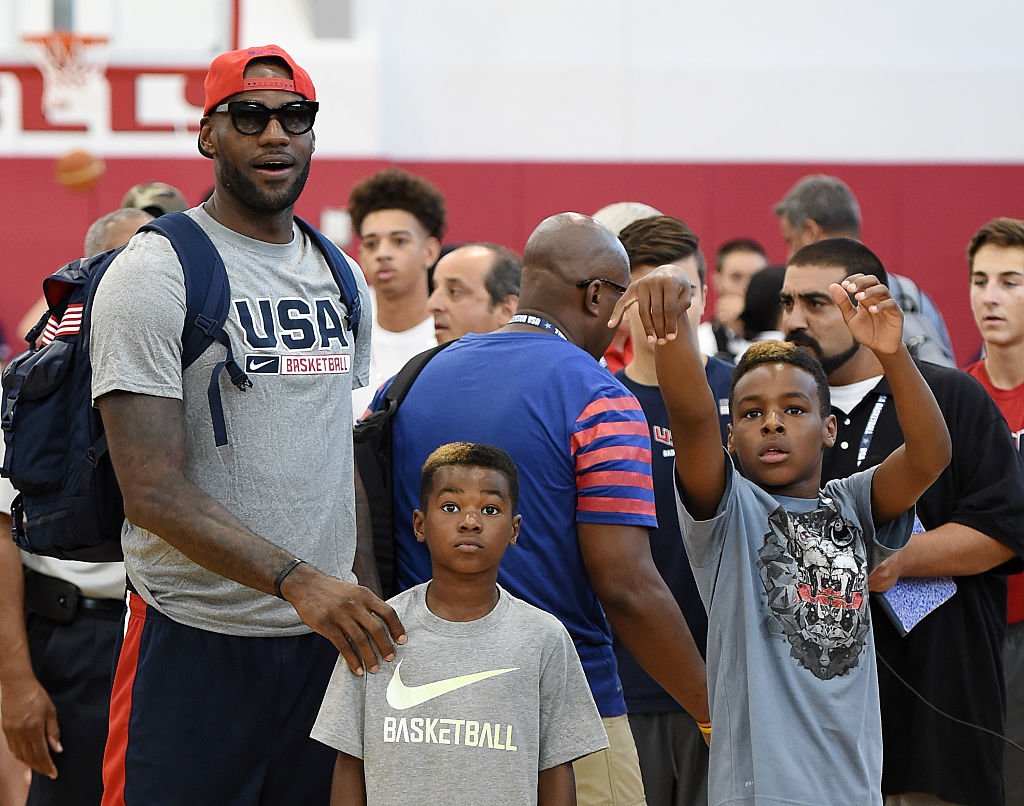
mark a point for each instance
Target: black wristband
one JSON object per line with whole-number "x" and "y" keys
{"x": 284, "y": 572}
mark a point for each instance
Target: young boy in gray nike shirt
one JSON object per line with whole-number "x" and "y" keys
{"x": 487, "y": 702}
{"x": 781, "y": 564}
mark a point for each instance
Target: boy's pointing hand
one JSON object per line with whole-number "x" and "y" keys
{"x": 870, "y": 312}
{"x": 662, "y": 297}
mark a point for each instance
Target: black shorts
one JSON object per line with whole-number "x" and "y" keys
{"x": 198, "y": 717}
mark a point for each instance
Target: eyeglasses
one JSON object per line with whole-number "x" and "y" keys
{"x": 251, "y": 117}
{"x": 617, "y": 286}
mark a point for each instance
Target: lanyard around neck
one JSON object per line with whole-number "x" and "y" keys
{"x": 869, "y": 430}
{"x": 537, "y": 321}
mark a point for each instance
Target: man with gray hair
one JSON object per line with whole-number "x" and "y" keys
{"x": 819, "y": 206}
{"x": 114, "y": 229}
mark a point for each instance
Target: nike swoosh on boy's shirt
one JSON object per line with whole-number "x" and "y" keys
{"x": 255, "y": 365}
{"x": 400, "y": 696}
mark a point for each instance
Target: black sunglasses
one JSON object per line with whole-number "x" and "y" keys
{"x": 617, "y": 286}
{"x": 252, "y": 117}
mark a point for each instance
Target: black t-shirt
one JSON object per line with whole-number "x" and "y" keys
{"x": 643, "y": 695}
{"x": 954, "y": 656}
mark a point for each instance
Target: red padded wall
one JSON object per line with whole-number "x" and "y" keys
{"x": 918, "y": 218}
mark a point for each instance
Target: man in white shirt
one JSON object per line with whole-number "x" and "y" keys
{"x": 400, "y": 220}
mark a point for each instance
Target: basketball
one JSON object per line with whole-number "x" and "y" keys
{"x": 79, "y": 171}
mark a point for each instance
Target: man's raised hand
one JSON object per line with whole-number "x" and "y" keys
{"x": 875, "y": 321}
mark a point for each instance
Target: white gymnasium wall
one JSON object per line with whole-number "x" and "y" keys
{"x": 793, "y": 80}
{"x": 606, "y": 80}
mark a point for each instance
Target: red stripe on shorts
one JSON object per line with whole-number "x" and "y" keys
{"x": 121, "y": 705}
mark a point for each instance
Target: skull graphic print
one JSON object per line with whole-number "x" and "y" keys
{"x": 814, "y": 570}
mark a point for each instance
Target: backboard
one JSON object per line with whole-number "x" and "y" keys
{"x": 180, "y": 33}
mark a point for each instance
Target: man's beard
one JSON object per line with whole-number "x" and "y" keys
{"x": 252, "y": 196}
{"x": 830, "y": 363}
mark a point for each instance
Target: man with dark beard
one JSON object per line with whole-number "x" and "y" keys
{"x": 218, "y": 682}
{"x": 968, "y": 531}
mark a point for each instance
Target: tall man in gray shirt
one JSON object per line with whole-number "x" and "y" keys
{"x": 218, "y": 682}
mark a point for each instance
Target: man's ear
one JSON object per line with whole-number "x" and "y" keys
{"x": 205, "y": 142}
{"x": 728, "y": 438}
{"x": 507, "y": 307}
{"x": 592, "y": 299}
{"x": 417, "y": 525}
{"x": 812, "y": 231}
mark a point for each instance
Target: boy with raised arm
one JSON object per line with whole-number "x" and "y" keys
{"x": 488, "y": 702}
{"x": 782, "y": 565}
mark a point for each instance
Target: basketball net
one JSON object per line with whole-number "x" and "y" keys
{"x": 67, "y": 62}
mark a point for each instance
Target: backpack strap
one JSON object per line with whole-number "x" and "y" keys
{"x": 408, "y": 374}
{"x": 207, "y": 297}
{"x": 372, "y": 447}
{"x": 342, "y": 271}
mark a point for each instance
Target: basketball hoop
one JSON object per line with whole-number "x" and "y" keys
{"x": 61, "y": 57}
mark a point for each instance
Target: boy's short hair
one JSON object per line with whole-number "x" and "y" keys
{"x": 851, "y": 256}
{"x": 469, "y": 454}
{"x": 661, "y": 239}
{"x": 783, "y": 352}
{"x": 395, "y": 189}
{"x": 1002, "y": 232}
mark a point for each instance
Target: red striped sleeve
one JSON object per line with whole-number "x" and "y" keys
{"x": 609, "y": 404}
{"x": 622, "y": 428}
{"x": 615, "y": 453}
{"x": 633, "y": 506}
{"x": 614, "y": 478}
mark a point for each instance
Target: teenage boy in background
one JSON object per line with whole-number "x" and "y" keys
{"x": 400, "y": 220}
{"x": 996, "y": 261}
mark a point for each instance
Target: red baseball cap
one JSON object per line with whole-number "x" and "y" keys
{"x": 226, "y": 76}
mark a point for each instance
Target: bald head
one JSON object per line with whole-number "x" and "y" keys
{"x": 564, "y": 251}
{"x": 574, "y": 247}
{"x": 114, "y": 229}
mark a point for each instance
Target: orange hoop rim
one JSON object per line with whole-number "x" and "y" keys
{"x": 69, "y": 39}
{"x": 61, "y": 49}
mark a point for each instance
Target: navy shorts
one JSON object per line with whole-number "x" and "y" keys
{"x": 198, "y": 717}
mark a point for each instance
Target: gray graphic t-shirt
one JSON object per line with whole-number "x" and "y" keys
{"x": 791, "y": 658}
{"x": 468, "y": 712}
{"x": 286, "y": 472}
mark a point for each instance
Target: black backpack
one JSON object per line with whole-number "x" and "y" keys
{"x": 372, "y": 444}
{"x": 69, "y": 505}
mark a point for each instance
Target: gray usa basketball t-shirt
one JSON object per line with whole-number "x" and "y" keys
{"x": 468, "y": 712}
{"x": 286, "y": 472}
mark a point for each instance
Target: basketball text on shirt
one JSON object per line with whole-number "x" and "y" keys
{"x": 294, "y": 324}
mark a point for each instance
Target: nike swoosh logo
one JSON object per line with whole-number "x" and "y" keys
{"x": 400, "y": 696}
{"x": 255, "y": 365}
